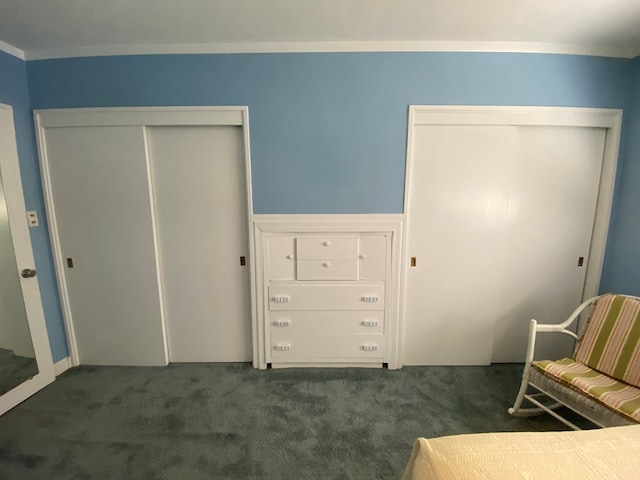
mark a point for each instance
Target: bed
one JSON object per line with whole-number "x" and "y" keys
{"x": 609, "y": 454}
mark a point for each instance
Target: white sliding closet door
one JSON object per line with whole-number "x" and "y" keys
{"x": 499, "y": 217}
{"x": 199, "y": 184}
{"x": 102, "y": 204}
{"x": 554, "y": 188}
{"x": 458, "y": 206}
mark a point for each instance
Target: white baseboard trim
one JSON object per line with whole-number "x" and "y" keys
{"x": 62, "y": 366}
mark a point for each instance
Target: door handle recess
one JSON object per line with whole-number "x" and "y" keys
{"x": 28, "y": 273}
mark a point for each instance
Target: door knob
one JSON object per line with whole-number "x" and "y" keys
{"x": 28, "y": 273}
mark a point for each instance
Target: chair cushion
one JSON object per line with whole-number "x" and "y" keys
{"x": 619, "y": 396}
{"x": 611, "y": 340}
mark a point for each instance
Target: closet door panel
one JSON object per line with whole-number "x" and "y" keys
{"x": 458, "y": 204}
{"x": 500, "y": 223}
{"x": 102, "y": 205}
{"x": 199, "y": 186}
{"x": 556, "y": 174}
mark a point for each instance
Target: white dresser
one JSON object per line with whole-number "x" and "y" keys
{"x": 328, "y": 294}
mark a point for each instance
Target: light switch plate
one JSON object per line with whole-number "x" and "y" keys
{"x": 32, "y": 218}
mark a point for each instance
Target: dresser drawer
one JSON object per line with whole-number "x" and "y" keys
{"x": 334, "y": 296}
{"x": 316, "y": 323}
{"x": 320, "y": 248}
{"x": 292, "y": 348}
{"x": 327, "y": 269}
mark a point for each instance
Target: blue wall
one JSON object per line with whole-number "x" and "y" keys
{"x": 328, "y": 130}
{"x": 13, "y": 91}
{"x": 622, "y": 265}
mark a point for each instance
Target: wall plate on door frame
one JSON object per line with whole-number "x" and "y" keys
{"x": 32, "y": 218}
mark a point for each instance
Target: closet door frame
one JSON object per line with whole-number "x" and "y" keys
{"x": 609, "y": 119}
{"x": 142, "y": 117}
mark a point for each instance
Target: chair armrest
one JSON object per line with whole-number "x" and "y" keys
{"x": 534, "y": 328}
{"x": 561, "y": 327}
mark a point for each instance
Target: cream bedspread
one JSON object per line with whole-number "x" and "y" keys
{"x": 605, "y": 454}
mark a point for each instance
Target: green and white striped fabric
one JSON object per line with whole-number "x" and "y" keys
{"x": 611, "y": 340}
{"x": 619, "y": 396}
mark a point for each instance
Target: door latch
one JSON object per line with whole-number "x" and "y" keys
{"x": 28, "y": 273}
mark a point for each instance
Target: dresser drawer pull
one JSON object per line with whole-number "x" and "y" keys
{"x": 282, "y": 347}
{"x": 370, "y": 323}
{"x": 326, "y": 264}
{"x": 326, "y": 244}
{"x": 370, "y": 348}
{"x": 370, "y": 299}
{"x": 280, "y": 299}
{"x": 281, "y": 323}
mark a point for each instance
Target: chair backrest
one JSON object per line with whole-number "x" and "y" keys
{"x": 611, "y": 339}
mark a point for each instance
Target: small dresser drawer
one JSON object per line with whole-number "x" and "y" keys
{"x": 327, "y": 269}
{"x": 317, "y": 323}
{"x": 330, "y": 248}
{"x": 286, "y": 348}
{"x": 334, "y": 296}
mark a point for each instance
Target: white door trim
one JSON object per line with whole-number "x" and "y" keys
{"x": 14, "y": 198}
{"x": 610, "y": 119}
{"x": 132, "y": 116}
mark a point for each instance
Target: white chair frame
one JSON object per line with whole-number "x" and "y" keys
{"x": 534, "y": 398}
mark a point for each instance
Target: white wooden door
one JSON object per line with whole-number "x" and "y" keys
{"x": 22, "y": 322}
{"x": 458, "y": 202}
{"x": 102, "y": 204}
{"x": 499, "y": 216}
{"x": 555, "y": 176}
{"x": 201, "y": 209}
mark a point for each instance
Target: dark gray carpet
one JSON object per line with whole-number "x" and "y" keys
{"x": 229, "y": 421}
{"x": 15, "y": 369}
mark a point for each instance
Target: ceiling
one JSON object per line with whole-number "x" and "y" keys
{"x": 61, "y": 28}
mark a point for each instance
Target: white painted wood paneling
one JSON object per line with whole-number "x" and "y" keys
{"x": 100, "y": 196}
{"x": 328, "y": 269}
{"x": 148, "y": 116}
{"x": 555, "y": 175}
{"x": 327, "y": 247}
{"x": 320, "y": 322}
{"x": 372, "y": 263}
{"x": 327, "y": 296}
{"x": 323, "y": 311}
{"x": 458, "y": 206}
{"x": 198, "y": 176}
{"x": 19, "y": 244}
{"x": 290, "y": 347}
{"x": 280, "y": 263}
{"x": 551, "y": 176}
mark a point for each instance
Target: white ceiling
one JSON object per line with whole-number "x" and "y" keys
{"x": 59, "y": 28}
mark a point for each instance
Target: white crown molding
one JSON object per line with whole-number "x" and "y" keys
{"x": 11, "y": 50}
{"x": 342, "y": 46}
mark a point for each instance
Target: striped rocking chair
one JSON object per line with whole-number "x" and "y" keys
{"x": 601, "y": 381}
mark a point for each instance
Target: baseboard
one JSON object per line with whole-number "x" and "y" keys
{"x": 62, "y": 366}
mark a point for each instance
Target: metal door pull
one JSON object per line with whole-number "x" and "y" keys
{"x": 28, "y": 273}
